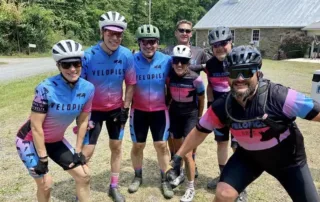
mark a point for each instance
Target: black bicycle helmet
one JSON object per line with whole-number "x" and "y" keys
{"x": 218, "y": 34}
{"x": 244, "y": 56}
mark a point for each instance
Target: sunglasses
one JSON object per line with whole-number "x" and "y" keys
{"x": 67, "y": 65}
{"x": 150, "y": 41}
{"x": 188, "y": 31}
{"x": 245, "y": 73}
{"x": 111, "y": 33}
{"x": 183, "y": 61}
{"x": 220, "y": 43}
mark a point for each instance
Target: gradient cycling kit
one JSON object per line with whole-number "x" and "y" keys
{"x": 61, "y": 104}
{"x": 269, "y": 139}
{"x": 148, "y": 105}
{"x": 183, "y": 110}
{"x": 107, "y": 73}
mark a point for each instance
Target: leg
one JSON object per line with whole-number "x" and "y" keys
{"x": 29, "y": 157}
{"x": 298, "y": 183}
{"x": 139, "y": 131}
{"x": 238, "y": 173}
{"x": 82, "y": 178}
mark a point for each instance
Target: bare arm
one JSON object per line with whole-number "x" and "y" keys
{"x": 82, "y": 122}
{"x": 128, "y": 95}
{"x": 209, "y": 93}
{"x": 193, "y": 140}
{"x": 316, "y": 118}
{"x": 37, "y": 120}
{"x": 200, "y": 105}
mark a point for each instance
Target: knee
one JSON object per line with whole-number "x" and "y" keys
{"x": 46, "y": 186}
{"x": 225, "y": 193}
{"x": 83, "y": 179}
{"x": 137, "y": 148}
{"x": 116, "y": 148}
{"x": 161, "y": 148}
{"x": 188, "y": 157}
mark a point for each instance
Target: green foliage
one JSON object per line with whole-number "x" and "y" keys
{"x": 295, "y": 44}
{"x": 44, "y": 22}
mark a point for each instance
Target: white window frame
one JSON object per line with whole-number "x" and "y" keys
{"x": 256, "y": 42}
{"x": 233, "y": 32}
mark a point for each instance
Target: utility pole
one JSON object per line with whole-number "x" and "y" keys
{"x": 149, "y": 12}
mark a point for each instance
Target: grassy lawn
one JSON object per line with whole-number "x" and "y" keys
{"x": 3, "y": 63}
{"x": 32, "y": 55}
{"x": 16, "y": 185}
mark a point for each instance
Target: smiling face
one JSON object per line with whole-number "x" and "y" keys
{"x": 70, "y": 70}
{"x": 183, "y": 33}
{"x": 180, "y": 65}
{"x": 112, "y": 39}
{"x": 148, "y": 46}
{"x": 243, "y": 83}
{"x": 221, "y": 49}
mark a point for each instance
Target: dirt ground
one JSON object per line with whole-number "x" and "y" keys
{"x": 16, "y": 185}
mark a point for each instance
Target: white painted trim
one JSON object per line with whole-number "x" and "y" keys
{"x": 258, "y": 42}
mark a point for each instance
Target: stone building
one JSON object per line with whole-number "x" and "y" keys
{"x": 262, "y": 22}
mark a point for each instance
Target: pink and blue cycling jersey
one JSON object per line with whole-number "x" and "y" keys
{"x": 283, "y": 104}
{"x": 107, "y": 73}
{"x": 149, "y": 93}
{"x": 61, "y": 104}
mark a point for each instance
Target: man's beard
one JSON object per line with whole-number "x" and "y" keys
{"x": 221, "y": 57}
{"x": 243, "y": 95}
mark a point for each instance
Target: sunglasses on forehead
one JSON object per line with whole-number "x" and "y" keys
{"x": 220, "y": 43}
{"x": 67, "y": 65}
{"x": 245, "y": 73}
{"x": 149, "y": 41}
{"x": 177, "y": 60}
{"x": 188, "y": 31}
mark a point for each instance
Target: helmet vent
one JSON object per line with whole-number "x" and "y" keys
{"x": 61, "y": 47}
{"x": 69, "y": 46}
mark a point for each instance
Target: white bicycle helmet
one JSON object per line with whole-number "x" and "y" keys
{"x": 67, "y": 50}
{"x": 182, "y": 51}
{"x": 112, "y": 18}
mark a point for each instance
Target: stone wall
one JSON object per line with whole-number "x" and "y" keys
{"x": 269, "y": 38}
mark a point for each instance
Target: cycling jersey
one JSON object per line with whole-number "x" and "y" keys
{"x": 106, "y": 73}
{"x": 61, "y": 104}
{"x": 281, "y": 104}
{"x": 198, "y": 58}
{"x": 184, "y": 90}
{"x": 149, "y": 94}
{"x": 218, "y": 76}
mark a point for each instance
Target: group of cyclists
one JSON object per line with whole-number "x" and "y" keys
{"x": 165, "y": 92}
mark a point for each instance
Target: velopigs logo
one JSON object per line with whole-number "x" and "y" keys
{"x": 117, "y": 61}
{"x": 157, "y": 67}
{"x": 81, "y": 95}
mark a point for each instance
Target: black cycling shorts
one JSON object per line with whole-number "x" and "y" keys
{"x": 60, "y": 152}
{"x": 114, "y": 128}
{"x": 222, "y": 135}
{"x": 141, "y": 121}
{"x": 294, "y": 175}
{"x": 182, "y": 123}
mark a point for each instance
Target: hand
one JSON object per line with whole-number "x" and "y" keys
{"x": 41, "y": 168}
{"x": 91, "y": 125}
{"x": 122, "y": 116}
{"x": 174, "y": 172}
{"x": 78, "y": 159}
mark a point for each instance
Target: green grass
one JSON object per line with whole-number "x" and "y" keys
{"x": 22, "y": 55}
{"x": 3, "y": 63}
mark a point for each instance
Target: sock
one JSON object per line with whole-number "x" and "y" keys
{"x": 114, "y": 180}
{"x": 191, "y": 185}
{"x": 221, "y": 167}
{"x": 163, "y": 176}
{"x": 194, "y": 156}
{"x": 138, "y": 172}
{"x": 172, "y": 154}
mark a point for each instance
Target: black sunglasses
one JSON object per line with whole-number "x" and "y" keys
{"x": 67, "y": 65}
{"x": 150, "y": 41}
{"x": 188, "y": 31}
{"x": 183, "y": 61}
{"x": 245, "y": 73}
{"x": 220, "y": 43}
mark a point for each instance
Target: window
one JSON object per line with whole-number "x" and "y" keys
{"x": 255, "y": 36}
{"x": 233, "y": 36}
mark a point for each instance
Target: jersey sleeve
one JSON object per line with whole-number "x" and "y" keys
{"x": 299, "y": 105}
{"x": 198, "y": 83}
{"x": 88, "y": 105}
{"x": 40, "y": 102}
{"x": 209, "y": 121}
{"x": 130, "y": 74}
{"x": 85, "y": 65}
